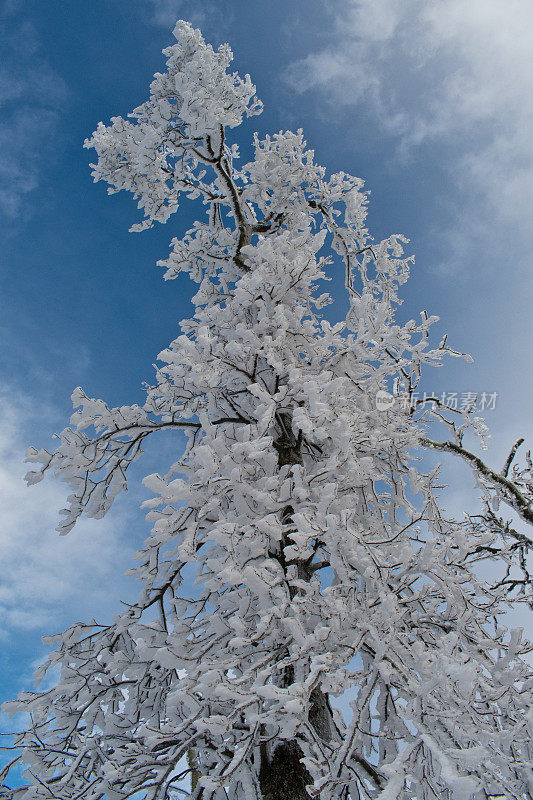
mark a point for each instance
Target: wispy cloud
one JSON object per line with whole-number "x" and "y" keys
{"x": 31, "y": 95}
{"x": 167, "y": 12}
{"x": 452, "y": 72}
{"x": 47, "y": 581}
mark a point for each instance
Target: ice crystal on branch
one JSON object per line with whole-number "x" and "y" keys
{"x": 326, "y": 574}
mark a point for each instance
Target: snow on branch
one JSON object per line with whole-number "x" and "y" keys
{"x": 310, "y": 623}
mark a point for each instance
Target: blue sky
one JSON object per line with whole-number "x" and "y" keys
{"x": 430, "y": 101}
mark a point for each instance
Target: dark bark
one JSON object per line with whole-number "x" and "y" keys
{"x": 287, "y": 445}
{"x": 282, "y": 775}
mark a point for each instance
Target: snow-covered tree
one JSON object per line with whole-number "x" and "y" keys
{"x": 340, "y": 638}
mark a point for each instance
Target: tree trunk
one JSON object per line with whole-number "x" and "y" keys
{"x": 282, "y": 775}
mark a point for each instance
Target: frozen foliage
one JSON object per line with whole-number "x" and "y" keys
{"x": 325, "y": 572}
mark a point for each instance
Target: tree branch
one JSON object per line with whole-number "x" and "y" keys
{"x": 506, "y": 488}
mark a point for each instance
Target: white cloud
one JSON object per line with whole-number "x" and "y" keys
{"x": 457, "y": 72}
{"x": 19, "y": 176}
{"x": 31, "y": 94}
{"x": 46, "y": 580}
{"x": 167, "y": 12}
